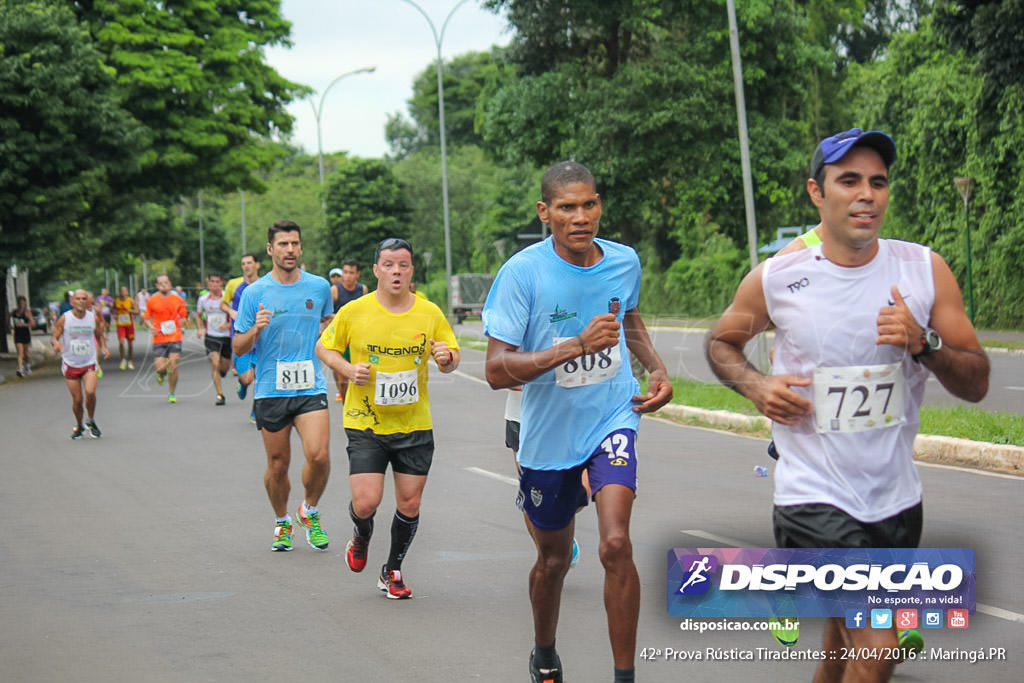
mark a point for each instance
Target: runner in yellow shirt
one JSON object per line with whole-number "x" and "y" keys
{"x": 391, "y": 335}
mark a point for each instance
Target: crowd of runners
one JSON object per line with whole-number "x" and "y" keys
{"x": 562, "y": 320}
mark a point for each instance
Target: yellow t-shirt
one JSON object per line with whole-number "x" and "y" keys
{"x": 229, "y": 289}
{"x": 397, "y": 347}
{"x": 123, "y": 311}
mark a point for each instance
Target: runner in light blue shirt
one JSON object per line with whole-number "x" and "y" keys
{"x": 561, "y": 319}
{"x": 292, "y": 333}
{"x": 280, "y": 315}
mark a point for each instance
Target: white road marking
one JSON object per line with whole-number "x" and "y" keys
{"x": 460, "y": 373}
{"x": 511, "y": 481}
{"x": 1000, "y": 613}
{"x": 728, "y": 542}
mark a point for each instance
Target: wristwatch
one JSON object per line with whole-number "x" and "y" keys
{"x": 930, "y": 343}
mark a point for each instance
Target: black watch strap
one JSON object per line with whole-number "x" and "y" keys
{"x": 930, "y": 343}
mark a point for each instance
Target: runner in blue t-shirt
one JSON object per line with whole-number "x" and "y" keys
{"x": 561, "y": 319}
{"x": 280, "y": 316}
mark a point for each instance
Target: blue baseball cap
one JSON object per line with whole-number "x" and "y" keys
{"x": 833, "y": 148}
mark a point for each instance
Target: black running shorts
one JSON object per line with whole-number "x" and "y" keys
{"x": 825, "y": 526}
{"x": 221, "y": 345}
{"x": 370, "y": 453}
{"x": 277, "y": 412}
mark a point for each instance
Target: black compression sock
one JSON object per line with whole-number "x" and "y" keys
{"x": 364, "y": 527}
{"x": 403, "y": 530}
{"x": 625, "y": 675}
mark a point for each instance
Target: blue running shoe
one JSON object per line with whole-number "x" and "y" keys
{"x": 575, "y": 554}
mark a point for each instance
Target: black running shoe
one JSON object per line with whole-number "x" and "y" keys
{"x": 552, "y": 675}
{"x": 78, "y": 432}
{"x": 94, "y": 431}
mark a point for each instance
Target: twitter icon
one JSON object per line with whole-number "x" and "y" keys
{"x": 881, "y": 618}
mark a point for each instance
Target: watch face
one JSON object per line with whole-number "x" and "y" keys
{"x": 932, "y": 339}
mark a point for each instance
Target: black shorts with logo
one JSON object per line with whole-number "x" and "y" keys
{"x": 819, "y": 525}
{"x": 221, "y": 345}
{"x": 277, "y": 412}
{"x": 408, "y": 453}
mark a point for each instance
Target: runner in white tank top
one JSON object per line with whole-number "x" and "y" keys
{"x": 76, "y": 336}
{"x": 859, "y": 323}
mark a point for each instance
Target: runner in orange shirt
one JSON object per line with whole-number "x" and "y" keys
{"x": 165, "y": 313}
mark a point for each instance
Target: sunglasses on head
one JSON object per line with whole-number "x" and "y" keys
{"x": 390, "y": 244}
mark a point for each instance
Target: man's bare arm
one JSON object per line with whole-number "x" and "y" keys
{"x": 638, "y": 341}
{"x": 745, "y": 317}
{"x": 506, "y": 366}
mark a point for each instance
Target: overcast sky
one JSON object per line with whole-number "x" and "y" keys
{"x": 332, "y": 37}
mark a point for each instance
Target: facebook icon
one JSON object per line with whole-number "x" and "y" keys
{"x": 855, "y": 618}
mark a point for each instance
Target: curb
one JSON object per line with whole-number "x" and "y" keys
{"x": 937, "y": 449}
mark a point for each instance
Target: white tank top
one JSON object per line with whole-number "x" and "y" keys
{"x": 79, "y": 340}
{"x": 826, "y": 316}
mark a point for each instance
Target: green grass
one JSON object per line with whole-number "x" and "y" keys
{"x": 973, "y": 423}
{"x": 961, "y": 422}
{"x": 472, "y": 343}
{"x": 999, "y": 344}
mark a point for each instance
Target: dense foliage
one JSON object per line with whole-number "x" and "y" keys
{"x": 641, "y": 91}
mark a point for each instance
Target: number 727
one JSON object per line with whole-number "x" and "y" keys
{"x": 865, "y": 393}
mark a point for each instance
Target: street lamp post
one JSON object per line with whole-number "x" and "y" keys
{"x": 318, "y": 110}
{"x": 965, "y": 186}
{"x": 438, "y": 40}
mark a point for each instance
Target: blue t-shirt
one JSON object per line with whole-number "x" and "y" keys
{"x": 538, "y": 298}
{"x": 292, "y": 333}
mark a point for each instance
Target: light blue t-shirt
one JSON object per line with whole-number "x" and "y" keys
{"x": 292, "y": 333}
{"x": 539, "y": 297}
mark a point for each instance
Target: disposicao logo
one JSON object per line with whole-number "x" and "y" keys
{"x": 818, "y": 582}
{"x": 696, "y": 581}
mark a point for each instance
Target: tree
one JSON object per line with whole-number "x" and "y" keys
{"x": 936, "y": 103}
{"x": 66, "y": 141}
{"x": 490, "y": 205}
{"x": 365, "y": 204}
{"x": 659, "y": 129}
{"x": 192, "y": 72}
{"x": 469, "y": 81}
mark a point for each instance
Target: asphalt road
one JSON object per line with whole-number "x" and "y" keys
{"x": 145, "y": 555}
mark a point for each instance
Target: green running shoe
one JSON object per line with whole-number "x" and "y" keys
{"x": 315, "y": 535}
{"x": 785, "y": 630}
{"x": 160, "y": 377}
{"x": 910, "y": 641}
{"x": 282, "y": 537}
{"x": 171, "y": 398}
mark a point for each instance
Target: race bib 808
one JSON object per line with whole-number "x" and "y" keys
{"x": 590, "y": 368}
